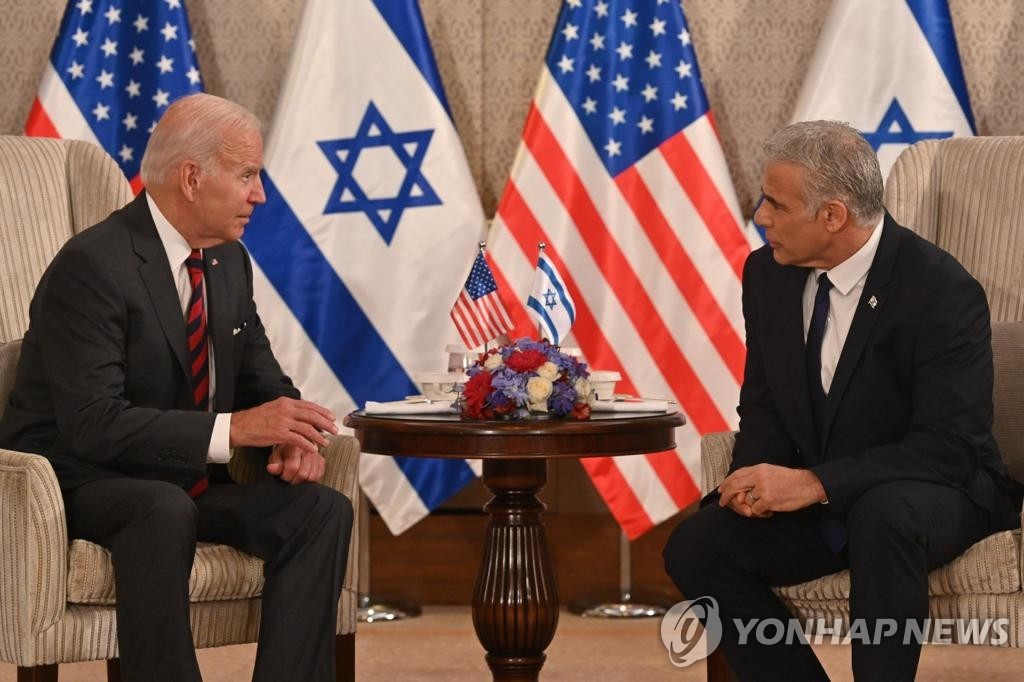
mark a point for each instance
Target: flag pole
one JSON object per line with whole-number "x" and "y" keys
{"x": 482, "y": 245}
{"x": 626, "y": 603}
{"x": 372, "y": 608}
{"x": 540, "y": 252}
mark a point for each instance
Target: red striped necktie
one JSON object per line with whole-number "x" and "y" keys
{"x": 198, "y": 348}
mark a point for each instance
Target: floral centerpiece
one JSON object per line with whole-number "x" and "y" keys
{"x": 526, "y": 378}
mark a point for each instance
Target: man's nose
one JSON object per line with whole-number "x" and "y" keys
{"x": 760, "y": 216}
{"x": 258, "y": 196}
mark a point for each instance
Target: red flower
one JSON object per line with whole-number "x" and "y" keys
{"x": 580, "y": 411}
{"x": 475, "y": 394}
{"x": 525, "y": 360}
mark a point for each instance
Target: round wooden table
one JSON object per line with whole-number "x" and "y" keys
{"x": 515, "y": 605}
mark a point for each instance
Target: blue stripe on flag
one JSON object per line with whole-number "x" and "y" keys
{"x": 344, "y": 335}
{"x": 556, "y": 281}
{"x": 435, "y": 479}
{"x": 937, "y": 26}
{"x": 535, "y": 305}
{"x": 406, "y": 22}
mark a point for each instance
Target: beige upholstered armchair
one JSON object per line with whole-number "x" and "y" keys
{"x": 967, "y": 196}
{"x": 56, "y": 599}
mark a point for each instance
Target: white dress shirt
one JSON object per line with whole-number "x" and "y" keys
{"x": 178, "y": 250}
{"x": 848, "y": 280}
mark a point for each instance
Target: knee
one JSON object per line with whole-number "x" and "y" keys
{"x": 690, "y": 550}
{"x": 161, "y": 510}
{"x": 882, "y": 518}
{"x": 169, "y": 505}
{"x": 330, "y": 505}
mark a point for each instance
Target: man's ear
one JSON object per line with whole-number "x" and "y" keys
{"x": 189, "y": 177}
{"x": 836, "y": 215}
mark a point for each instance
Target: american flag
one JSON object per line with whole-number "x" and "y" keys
{"x": 621, "y": 172}
{"x": 478, "y": 313}
{"x": 114, "y": 68}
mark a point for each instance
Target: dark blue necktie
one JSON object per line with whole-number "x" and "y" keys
{"x": 815, "y": 335}
{"x": 833, "y": 532}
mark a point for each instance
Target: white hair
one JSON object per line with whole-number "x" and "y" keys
{"x": 193, "y": 128}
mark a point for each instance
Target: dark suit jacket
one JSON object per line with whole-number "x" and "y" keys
{"x": 911, "y": 398}
{"x": 103, "y": 386}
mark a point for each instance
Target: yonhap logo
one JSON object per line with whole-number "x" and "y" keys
{"x": 684, "y": 635}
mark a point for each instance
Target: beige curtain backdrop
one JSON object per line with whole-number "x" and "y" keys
{"x": 753, "y": 54}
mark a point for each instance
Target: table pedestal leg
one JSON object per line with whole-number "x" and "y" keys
{"x": 515, "y": 604}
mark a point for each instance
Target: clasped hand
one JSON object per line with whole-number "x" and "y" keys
{"x": 761, "y": 490}
{"x": 295, "y": 465}
{"x": 295, "y": 429}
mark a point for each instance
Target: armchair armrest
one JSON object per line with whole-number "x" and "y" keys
{"x": 715, "y": 458}
{"x": 342, "y": 474}
{"x": 33, "y": 549}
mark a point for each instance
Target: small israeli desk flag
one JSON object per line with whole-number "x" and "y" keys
{"x": 550, "y": 304}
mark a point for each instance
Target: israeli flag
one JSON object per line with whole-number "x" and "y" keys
{"x": 550, "y": 304}
{"x": 891, "y": 69}
{"x": 371, "y": 224}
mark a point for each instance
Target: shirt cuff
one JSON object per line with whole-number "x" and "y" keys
{"x": 220, "y": 440}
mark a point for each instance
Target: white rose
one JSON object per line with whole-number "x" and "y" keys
{"x": 537, "y": 390}
{"x": 493, "y": 362}
{"x": 583, "y": 391}
{"x": 548, "y": 370}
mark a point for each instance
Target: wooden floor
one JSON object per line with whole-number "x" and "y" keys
{"x": 440, "y": 646}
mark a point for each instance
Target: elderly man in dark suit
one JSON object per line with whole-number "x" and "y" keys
{"x": 865, "y": 416}
{"x": 145, "y": 363}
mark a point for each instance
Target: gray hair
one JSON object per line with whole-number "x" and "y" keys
{"x": 193, "y": 128}
{"x": 839, "y": 164}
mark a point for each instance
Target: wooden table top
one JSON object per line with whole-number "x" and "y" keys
{"x": 448, "y": 435}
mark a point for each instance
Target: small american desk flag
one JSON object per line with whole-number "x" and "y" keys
{"x": 478, "y": 313}
{"x": 113, "y": 70}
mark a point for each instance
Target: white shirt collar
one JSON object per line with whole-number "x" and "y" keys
{"x": 175, "y": 246}
{"x": 852, "y": 270}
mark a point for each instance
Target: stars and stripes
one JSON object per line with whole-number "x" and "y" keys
{"x": 621, "y": 173}
{"x": 478, "y": 313}
{"x": 115, "y": 67}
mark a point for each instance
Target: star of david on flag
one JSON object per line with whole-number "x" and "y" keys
{"x": 114, "y": 68}
{"x": 550, "y": 303}
{"x": 621, "y": 174}
{"x": 408, "y": 148}
{"x": 370, "y": 220}
{"x": 891, "y": 69}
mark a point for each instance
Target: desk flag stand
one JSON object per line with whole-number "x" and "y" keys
{"x": 372, "y": 608}
{"x": 625, "y": 603}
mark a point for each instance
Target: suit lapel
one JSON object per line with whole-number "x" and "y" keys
{"x": 155, "y": 272}
{"x": 869, "y": 308}
{"x": 790, "y": 350}
{"x": 219, "y": 323}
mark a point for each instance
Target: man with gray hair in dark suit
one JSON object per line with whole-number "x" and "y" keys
{"x": 144, "y": 364}
{"x": 865, "y": 438}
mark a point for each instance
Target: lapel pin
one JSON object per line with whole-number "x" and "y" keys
{"x": 872, "y": 302}
{"x": 213, "y": 261}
